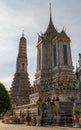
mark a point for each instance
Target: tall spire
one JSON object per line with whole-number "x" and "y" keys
{"x": 50, "y": 14}
{"x": 50, "y": 27}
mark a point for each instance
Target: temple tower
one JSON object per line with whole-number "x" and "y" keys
{"x": 54, "y": 73}
{"x": 21, "y": 85}
{"x": 78, "y": 75}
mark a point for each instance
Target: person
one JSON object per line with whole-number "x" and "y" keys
{"x": 28, "y": 119}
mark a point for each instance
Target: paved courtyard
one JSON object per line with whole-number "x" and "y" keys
{"x": 24, "y": 127}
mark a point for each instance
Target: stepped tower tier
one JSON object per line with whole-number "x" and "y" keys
{"x": 21, "y": 85}
{"x": 21, "y": 65}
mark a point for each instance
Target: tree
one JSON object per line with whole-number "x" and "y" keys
{"x": 5, "y": 102}
{"x": 75, "y": 112}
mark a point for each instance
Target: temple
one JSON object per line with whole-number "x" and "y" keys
{"x": 54, "y": 91}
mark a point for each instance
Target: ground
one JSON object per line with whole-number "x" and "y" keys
{"x": 25, "y": 127}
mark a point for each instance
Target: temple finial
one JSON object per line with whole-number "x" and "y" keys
{"x": 22, "y": 33}
{"x": 50, "y": 13}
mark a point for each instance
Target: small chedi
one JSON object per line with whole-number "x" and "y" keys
{"x": 21, "y": 85}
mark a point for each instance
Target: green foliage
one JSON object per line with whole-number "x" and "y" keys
{"x": 5, "y": 102}
{"x": 77, "y": 84}
{"x": 9, "y": 112}
{"x": 75, "y": 112}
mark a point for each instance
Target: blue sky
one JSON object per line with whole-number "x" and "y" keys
{"x": 32, "y": 16}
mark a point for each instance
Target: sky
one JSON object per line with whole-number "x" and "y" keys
{"x": 32, "y": 16}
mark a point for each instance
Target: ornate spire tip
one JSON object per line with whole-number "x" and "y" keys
{"x": 22, "y": 33}
{"x": 50, "y": 13}
{"x": 50, "y": 10}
